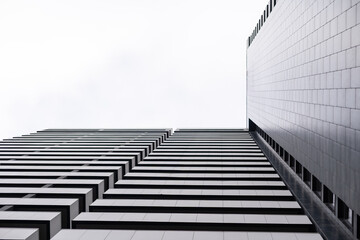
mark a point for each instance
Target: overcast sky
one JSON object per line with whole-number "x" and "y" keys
{"x": 123, "y": 63}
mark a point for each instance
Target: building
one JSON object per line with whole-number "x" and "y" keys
{"x": 303, "y": 73}
{"x": 293, "y": 174}
{"x": 144, "y": 184}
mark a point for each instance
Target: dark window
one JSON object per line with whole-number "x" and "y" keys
{"x": 271, "y": 5}
{"x": 286, "y": 156}
{"x": 274, "y": 3}
{"x": 316, "y": 186}
{"x": 329, "y": 198}
{"x": 264, "y": 14}
{"x": 267, "y": 11}
{"x": 281, "y": 152}
{"x": 292, "y": 162}
{"x": 307, "y": 177}
{"x": 298, "y": 168}
{"x": 345, "y": 214}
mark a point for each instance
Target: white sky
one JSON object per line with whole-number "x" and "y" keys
{"x": 123, "y": 63}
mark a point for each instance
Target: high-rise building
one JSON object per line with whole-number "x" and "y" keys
{"x": 144, "y": 184}
{"x": 293, "y": 174}
{"x": 303, "y": 78}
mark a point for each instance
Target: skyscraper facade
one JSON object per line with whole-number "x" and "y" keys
{"x": 293, "y": 174}
{"x": 144, "y": 184}
{"x": 303, "y": 75}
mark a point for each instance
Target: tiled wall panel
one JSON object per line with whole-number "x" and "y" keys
{"x": 303, "y": 73}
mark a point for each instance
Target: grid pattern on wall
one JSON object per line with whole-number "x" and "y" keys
{"x": 303, "y": 74}
{"x": 145, "y": 184}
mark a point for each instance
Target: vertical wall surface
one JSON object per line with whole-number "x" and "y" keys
{"x": 303, "y": 78}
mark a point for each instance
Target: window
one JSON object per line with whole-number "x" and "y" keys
{"x": 345, "y": 214}
{"x": 264, "y": 14}
{"x": 329, "y": 198}
{"x": 286, "y": 156}
{"x": 298, "y": 169}
{"x": 307, "y": 177}
{"x": 316, "y": 186}
{"x": 292, "y": 162}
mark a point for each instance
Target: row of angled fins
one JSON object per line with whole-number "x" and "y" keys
{"x": 132, "y": 184}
